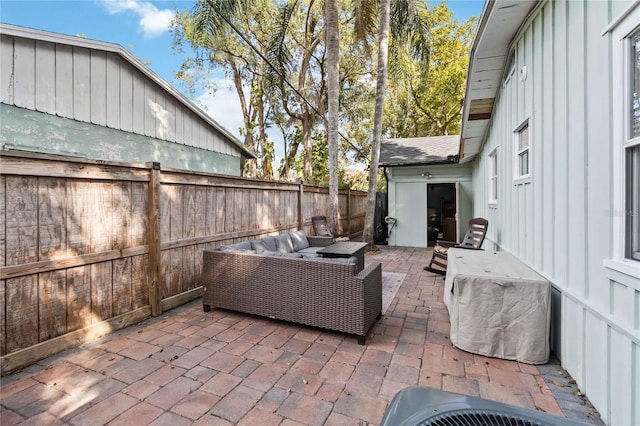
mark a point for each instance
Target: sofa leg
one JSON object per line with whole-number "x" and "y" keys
{"x": 362, "y": 340}
{"x": 206, "y": 308}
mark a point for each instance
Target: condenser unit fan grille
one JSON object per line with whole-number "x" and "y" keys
{"x": 477, "y": 418}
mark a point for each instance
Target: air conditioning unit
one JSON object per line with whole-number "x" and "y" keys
{"x": 421, "y": 406}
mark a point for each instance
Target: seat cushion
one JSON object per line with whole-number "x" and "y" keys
{"x": 310, "y": 251}
{"x": 440, "y": 249}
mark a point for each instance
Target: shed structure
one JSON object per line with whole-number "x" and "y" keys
{"x": 429, "y": 194}
{"x": 79, "y": 97}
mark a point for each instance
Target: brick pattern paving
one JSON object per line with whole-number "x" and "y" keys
{"x": 222, "y": 367}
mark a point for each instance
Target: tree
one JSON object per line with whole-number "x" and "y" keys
{"x": 207, "y": 29}
{"x": 410, "y": 34}
{"x": 381, "y": 81}
{"x": 332, "y": 32}
{"x": 431, "y": 104}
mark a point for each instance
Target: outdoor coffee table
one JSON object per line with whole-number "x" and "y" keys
{"x": 346, "y": 249}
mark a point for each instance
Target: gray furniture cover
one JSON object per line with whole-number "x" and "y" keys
{"x": 498, "y": 306}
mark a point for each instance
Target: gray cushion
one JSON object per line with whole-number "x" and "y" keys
{"x": 311, "y": 250}
{"x": 283, "y": 243}
{"x": 299, "y": 240}
{"x": 243, "y": 245}
{"x": 231, "y": 249}
{"x": 293, "y": 255}
{"x": 260, "y": 246}
{"x": 270, "y": 242}
{"x": 350, "y": 261}
{"x": 280, "y": 254}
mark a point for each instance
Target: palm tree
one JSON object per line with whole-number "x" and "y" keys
{"x": 332, "y": 34}
{"x": 409, "y": 30}
{"x": 381, "y": 82}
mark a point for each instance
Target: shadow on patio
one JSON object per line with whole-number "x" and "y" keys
{"x": 221, "y": 367}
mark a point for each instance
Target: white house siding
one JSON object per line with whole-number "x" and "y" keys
{"x": 97, "y": 85}
{"x": 559, "y": 221}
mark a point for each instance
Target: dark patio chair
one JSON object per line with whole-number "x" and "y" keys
{"x": 473, "y": 239}
{"x": 321, "y": 229}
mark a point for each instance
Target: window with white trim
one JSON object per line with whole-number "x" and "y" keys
{"x": 632, "y": 152}
{"x": 493, "y": 176}
{"x": 521, "y": 150}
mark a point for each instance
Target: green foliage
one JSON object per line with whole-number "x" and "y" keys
{"x": 427, "y": 71}
{"x": 430, "y": 103}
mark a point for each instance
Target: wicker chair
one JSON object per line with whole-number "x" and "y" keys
{"x": 473, "y": 240}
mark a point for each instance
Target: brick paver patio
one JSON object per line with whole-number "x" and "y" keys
{"x": 222, "y": 367}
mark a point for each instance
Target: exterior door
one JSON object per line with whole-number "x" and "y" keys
{"x": 411, "y": 209}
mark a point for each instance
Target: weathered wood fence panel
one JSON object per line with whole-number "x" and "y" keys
{"x": 87, "y": 247}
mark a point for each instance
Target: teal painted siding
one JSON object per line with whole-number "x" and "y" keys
{"x": 27, "y": 130}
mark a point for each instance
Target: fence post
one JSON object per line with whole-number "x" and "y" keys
{"x": 300, "y": 209}
{"x": 155, "y": 295}
{"x": 349, "y": 212}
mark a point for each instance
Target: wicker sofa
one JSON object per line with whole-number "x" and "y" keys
{"x": 309, "y": 289}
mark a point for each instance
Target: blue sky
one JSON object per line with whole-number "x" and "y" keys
{"x": 142, "y": 27}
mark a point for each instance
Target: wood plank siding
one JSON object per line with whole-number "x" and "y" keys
{"x": 559, "y": 219}
{"x": 70, "y": 95}
{"x": 86, "y": 246}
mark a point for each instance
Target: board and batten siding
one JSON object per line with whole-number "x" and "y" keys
{"x": 96, "y": 84}
{"x": 559, "y": 220}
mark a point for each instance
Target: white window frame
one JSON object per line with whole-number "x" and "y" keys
{"x": 631, "y": 143}
{"x": 492, "y": 166}
{"x": 621, "y": 31}
{"x": 518, "y": 176}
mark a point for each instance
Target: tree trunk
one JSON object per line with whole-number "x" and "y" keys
{"x": 381, "y": 81}
{"x": 333, "y": 69}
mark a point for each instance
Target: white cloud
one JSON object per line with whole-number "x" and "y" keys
{"x": 153, "y": 21}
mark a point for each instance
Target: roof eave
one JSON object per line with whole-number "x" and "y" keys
{"x": 499, "y": 23}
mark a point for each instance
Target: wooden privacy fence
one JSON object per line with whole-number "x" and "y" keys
{"x": 88, "y": 247}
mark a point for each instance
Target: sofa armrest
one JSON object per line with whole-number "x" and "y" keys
{"x": 315, "y": 241}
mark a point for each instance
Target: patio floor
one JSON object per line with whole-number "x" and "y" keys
{"x": 221, "y": 367}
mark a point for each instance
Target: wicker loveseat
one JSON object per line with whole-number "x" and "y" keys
{"x": 309, "y": 290}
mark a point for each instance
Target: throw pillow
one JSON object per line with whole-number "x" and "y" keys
{"x": 299, "y": 240}
{"x": 283, "y": 243}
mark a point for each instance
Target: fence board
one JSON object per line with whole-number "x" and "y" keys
{"x": 78, "y": 298}
{"x": 101, "y": 282}
{"x": 52, "y": 301}
{"x": 52, "y": 213}
{"x": 165, "y": 274}
{"x": 122, "y": 295}
{"x": 139, "y": 228}
{"x": 22, "y": 317}
{"x": 175, "y": 271}
{"x": 22, "y": 224}
{"x": 139, "y": 281}
{"x": 101, "y": 220}
{"x": 3, "y": 323}
{"x": 120, "y": 215}
{"x": 200, "y": 212}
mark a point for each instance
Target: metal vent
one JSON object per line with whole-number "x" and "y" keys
{"x": 421, "y": 406}
{"x": 477, "y": 418}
